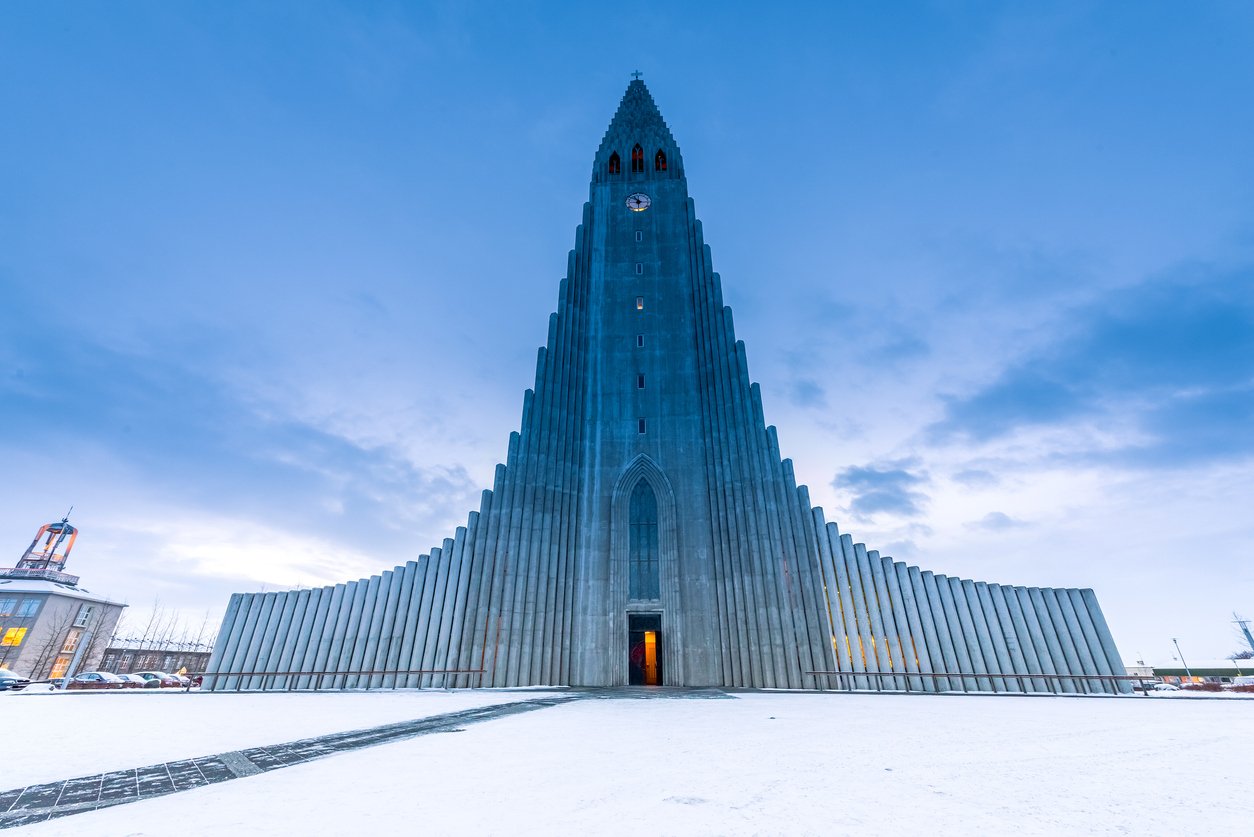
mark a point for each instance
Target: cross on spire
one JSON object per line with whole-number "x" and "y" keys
{"x": 636, "y": 75}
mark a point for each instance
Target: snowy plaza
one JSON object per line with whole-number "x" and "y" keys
{"x": 665, "y": 761}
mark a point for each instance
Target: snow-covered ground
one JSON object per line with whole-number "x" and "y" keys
{"x": 61, "y": 735}
{"x": 760, "y": 763}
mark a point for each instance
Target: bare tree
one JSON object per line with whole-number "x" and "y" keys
{"x": 51, "y": 640}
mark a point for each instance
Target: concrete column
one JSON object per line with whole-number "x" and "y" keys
{"x": 775, "y": 653}
{"x": 1070, "y": 659}
{"x": 246, "y": 624}
{"x": 970, "y": 608}
{"x": 958, "y": 632}
{"x": 293, "y": 637}
{"x": 1107, "y": 641}
{"x": 311, "y": 629}
{"x": 813, "y": 601}
{"x": 1042, "y": 628}
{"x": 946, "y": 659}
{"x": 883, "y": 612}
{"x": 909, "y": 637}
{"x": 741, "y": 612}
{"x": 1022, "y": 656}
{"x": 377, "y": 657}
{"x": 833, "y": 608}
{"x": 366, "y": 640}
{"x": 342, "y": 657}
{"x": 851, "y": 648}
{"x": 929, "y": 637}
{"x": 779, "y": 562}
{"x": 474, "y": 629}
{"x": 259, "y": 640}
{"x": 334, "y": 604}
{"x": 864, "y": 644}
{"x": 411, "y": 644}
{"x": 419, "y": 660}
{"x": 430, "y": 647}
{"x": 398, "y": 632}
{"x": 1093, "y": 641}
{"x": 987, "y": 616}
{"x": 228, "y": 638}
{"x": 458, "y": 595}
{"x": 1087, "y": 664}
{"x": 877, "y": 648}
{"x": 506, "y": 605}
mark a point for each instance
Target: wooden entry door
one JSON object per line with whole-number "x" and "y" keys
{"x": 644, "y": 649}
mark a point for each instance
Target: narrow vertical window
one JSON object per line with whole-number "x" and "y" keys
{"x": 639, "y": 235}
{"x": 616, "y": 165}
{"x": 659, "y": 162}
{"x": 637, "y": 158}
{"x": 640, "y": 381}
{"x": 639, "y": 268}
{"x": 640, "y": 427}
{"x": 642, "y": 580}
{"x": 639, "y": 341}
{"x": 639, "y": 303}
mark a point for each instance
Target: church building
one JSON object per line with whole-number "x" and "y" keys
{"x": 645, "y": 529}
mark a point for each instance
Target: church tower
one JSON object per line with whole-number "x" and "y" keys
{"x": 644, "y": 528}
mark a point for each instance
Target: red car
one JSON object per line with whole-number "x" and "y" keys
{"x": 96, "y": 680}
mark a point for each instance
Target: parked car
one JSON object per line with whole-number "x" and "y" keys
{"x": 10, "y": 681}
{"x": 132, "y": 681}
{"x": 159, "y": 680}
{"x": 1165, "y": 687}
{"x": 95, "y": 680}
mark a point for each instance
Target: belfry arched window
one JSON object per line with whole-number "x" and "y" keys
{"x": 637, "y": 158}
{"x": 659, "y": 162}
{"x": 643, "y": 544}
{"x": 616, "y": 165}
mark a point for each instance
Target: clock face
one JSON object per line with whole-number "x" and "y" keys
{"x": 638, "y": 202}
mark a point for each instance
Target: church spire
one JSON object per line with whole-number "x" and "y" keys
{"x": 638, "y": 123}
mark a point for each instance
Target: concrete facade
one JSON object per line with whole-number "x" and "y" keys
{"x": 643, "y": 382}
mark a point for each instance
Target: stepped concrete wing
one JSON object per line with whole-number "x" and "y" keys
{"x": 644, "y": 528}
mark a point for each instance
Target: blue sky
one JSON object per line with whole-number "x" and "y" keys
{"x": 272, "y": 277}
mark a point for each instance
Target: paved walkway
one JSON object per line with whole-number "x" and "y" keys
{"x": 36, "y": 803}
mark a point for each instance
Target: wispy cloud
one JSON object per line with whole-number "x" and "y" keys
{"x": 1170, "y": 364}
{"x": 883, "y": 489}
{"x": 996, "y": 522}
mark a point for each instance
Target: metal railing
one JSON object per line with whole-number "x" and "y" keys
{"x": 848, "y": 681}
{"x": 268, "y": 678}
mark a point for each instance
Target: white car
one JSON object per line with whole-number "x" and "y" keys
{"x": 1165, "y": 687}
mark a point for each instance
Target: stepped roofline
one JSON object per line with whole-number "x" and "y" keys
{"x": 638, "y": 122}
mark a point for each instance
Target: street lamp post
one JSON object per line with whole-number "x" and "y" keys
{"x": 1176, "y": 642}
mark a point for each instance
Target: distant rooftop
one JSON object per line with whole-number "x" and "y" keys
{"x": 25, "y": 584}
{"x": 43, "y": 573}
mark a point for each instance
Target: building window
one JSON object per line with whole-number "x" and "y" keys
{"x": 639, "y": 268}
{"x": 639, "y": 341}
{"x": 642, "y": 544}
{"x": 616, "y": 165}
{"x": 640, "y": 381}
{"x": 13, "y": 637}
{"x": 84, "y": 616}
{"x": 639, "y": 235}
{"x": 640, "y": 427}
{"x": 659, "y": 162}
{"x": 637, "y": 159}
{"x": 639, "y": 303}
{"x": 71, "y": 640}
{"x": 7, "y": 606}
{"x": 29, "y": 607}
{"x": 59, "y": 667}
